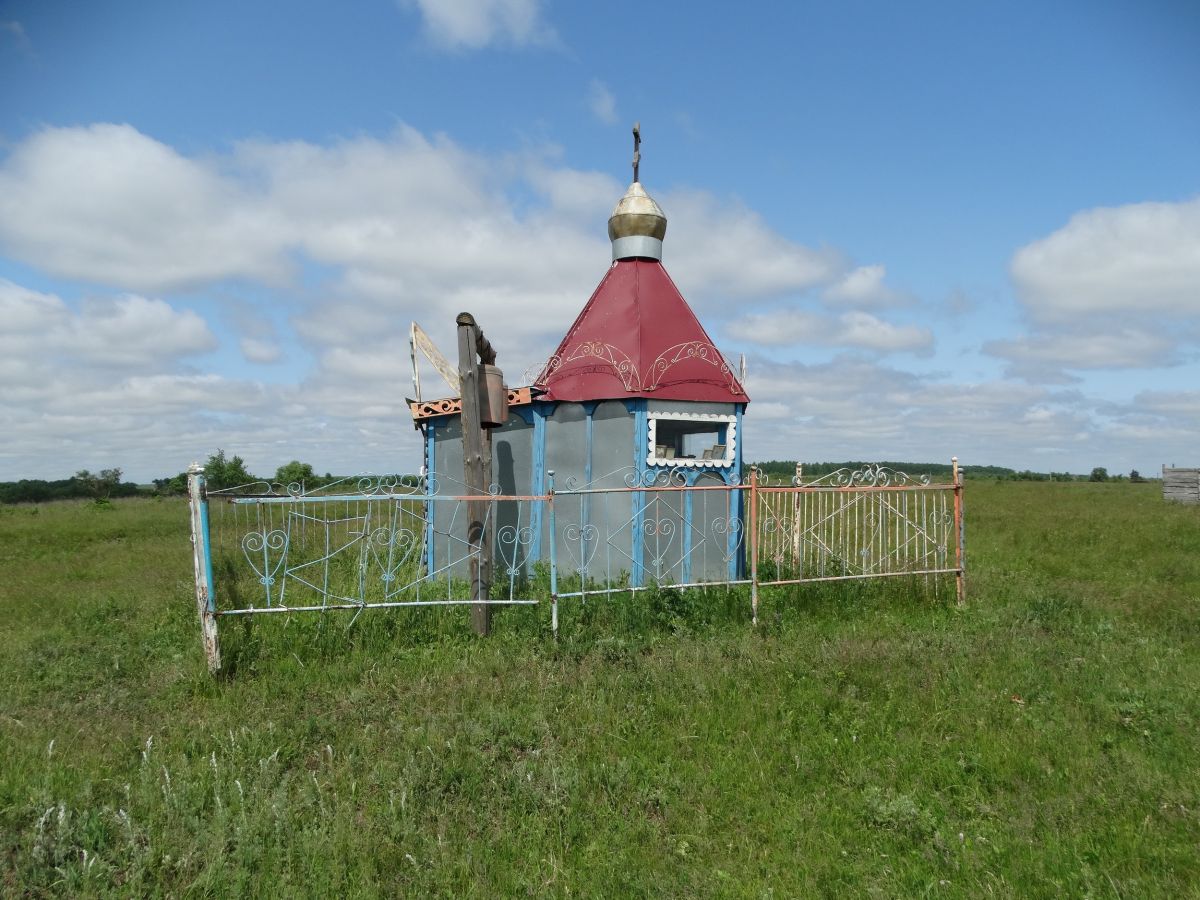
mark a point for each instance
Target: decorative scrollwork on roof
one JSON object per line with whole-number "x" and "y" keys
{"x": 698, "y": 350}
{"x": 625, "y": 369}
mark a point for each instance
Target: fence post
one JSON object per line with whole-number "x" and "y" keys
{"x": 553, "y": 559}
{"x": 796, "y": 511}
{"x": 961, "y": 533}
{"x": 202, "y": 560}
{"x": 754, "y": 544}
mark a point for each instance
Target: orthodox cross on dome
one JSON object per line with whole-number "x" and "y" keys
{"x": 637, "y": 143}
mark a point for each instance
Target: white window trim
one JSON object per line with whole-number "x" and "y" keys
{"x": 714, "y": 418}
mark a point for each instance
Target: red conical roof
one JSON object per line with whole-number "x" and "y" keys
{"x": 637, "y": 337}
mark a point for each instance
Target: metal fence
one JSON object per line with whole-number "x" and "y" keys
{"x": 379, "y": 542}
{"x": 872, "y": 522}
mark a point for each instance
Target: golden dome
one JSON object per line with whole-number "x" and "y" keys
{"x": 637, "y": 215}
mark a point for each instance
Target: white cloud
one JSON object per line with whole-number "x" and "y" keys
{"x": 257, "y": 350}
{"x": 782, "y": 328}
{"x": 1044, "y": 357}
{"x": 1134, "y": 260}
{"x": 853, "y": 408}
{"x": 407, "y": 226}
{"x": 862, "y": 287}
{"x": 124, "y": 331}
{"x": 851, "y": 329}
{"x": 473, "y": 24}
{"x": 861, "y": 329}
{"x": 1170, "y": 403}
{"x": 105, "y": 203}
{"x": 718, "y": 250}
{"x": 103, "y": 385}
{"x": 1114, "y": 288}
{"x": 601, "y": 102}
{"x": 140, "y": 396}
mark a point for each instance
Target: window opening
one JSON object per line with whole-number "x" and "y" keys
{"x": 679, "y": 440}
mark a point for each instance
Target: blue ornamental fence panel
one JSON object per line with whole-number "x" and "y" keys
{"x": 358, "y": 543}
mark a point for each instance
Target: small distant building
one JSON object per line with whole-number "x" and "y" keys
{"x": 636, "y": 393}
{"x": 1181, "y": 485}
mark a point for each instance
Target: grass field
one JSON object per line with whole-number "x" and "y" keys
{"x": 864, "y": 740}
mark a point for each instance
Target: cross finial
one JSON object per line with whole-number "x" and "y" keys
{"x": 637, "y": 143}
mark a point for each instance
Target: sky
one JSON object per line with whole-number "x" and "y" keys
{"x": 934, "y": 229}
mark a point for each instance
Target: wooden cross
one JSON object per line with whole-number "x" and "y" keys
{"x": 637, "y": 143}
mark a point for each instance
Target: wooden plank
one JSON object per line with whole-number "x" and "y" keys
{"x": 474, "y": 468}
{"x": 425, "y": 344}
{"x": 1181, "y": 485}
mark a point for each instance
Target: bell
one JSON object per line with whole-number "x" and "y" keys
{"x": 493, "y": 397}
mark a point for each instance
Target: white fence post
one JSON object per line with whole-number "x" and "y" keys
{"x": 202, "y": 559}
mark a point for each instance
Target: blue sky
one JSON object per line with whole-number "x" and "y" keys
{"x": 933, "y": 229}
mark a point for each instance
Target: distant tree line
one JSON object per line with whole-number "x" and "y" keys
{"x": 83, "y": 485}
{"x": 220, "y": 471}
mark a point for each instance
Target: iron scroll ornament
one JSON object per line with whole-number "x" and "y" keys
{"x": 365, "y": 486}
{"x": 869, "y": 475}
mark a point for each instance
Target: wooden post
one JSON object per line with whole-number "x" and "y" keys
{"x": 474, "y": 470}
{"x": 489, "y": 534}
{"x": 202, "y": 561}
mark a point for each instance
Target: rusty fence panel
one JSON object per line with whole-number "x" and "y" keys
{"x": 873, "y": 522}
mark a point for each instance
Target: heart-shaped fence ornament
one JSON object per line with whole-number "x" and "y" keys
{"x": 729, "y": 526}
{"x": 399, "y": 543}
{"x": 659, "y": 534}
{"x": 586, "y": 538}
{"x": 509, "y": 542}
{"x": 266, "y": 551}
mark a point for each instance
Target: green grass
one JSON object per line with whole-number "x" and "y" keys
{"x": 866, "y": 739}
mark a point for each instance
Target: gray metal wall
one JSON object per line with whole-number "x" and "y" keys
{"x": 710, "y": 515}
{"x": 512, "y": 473}
{"x": 604, "y": 550}
{"x": 449, "y": 517}
{"x": 681, "y": 539}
